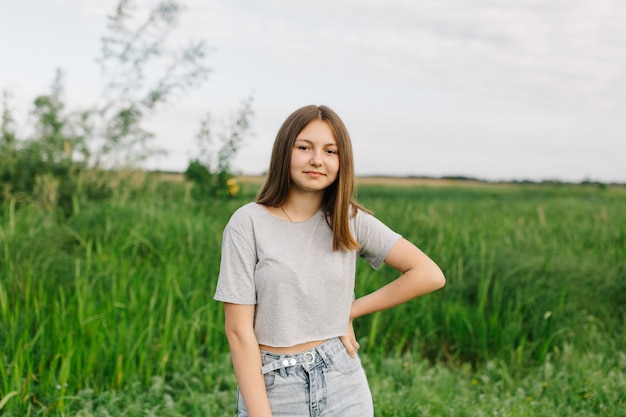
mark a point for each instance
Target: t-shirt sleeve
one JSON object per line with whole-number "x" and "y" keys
{"x": 235, "y": 283}
{"x": 376, "y": 238}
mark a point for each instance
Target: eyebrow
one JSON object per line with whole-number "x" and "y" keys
{"x": 311, "y": 142}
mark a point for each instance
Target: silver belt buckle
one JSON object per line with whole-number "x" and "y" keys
{"x": 306, "y": 356}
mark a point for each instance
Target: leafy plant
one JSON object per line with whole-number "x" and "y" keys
{"x": 211, "y": 172}
{"x": 141, "y": 73}
{"x": 44, "y": 165}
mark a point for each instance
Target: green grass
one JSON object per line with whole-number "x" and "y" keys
{"x": 110, "y": 312}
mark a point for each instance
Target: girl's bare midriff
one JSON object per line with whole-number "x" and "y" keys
{"x": 290, "y": 350}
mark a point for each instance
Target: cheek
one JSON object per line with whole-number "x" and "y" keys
{"x": 335, "y": 167}
{"x": 294, "y": 160}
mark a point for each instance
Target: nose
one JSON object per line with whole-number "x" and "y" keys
{"x": 316, "y": 159}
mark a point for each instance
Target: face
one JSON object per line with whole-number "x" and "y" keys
{"x": 314, "y": 158}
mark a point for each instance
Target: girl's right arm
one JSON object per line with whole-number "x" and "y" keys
{"x": 246, "y": 356}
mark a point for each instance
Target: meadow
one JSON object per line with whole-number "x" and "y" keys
{"x": 109, "y": 312}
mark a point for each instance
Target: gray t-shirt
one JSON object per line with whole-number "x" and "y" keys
{"x": 302, "y": 289}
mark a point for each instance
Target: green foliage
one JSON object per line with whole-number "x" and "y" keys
{"x": 204, "y": 182}
{"x": 7, "y": 125}
{"x": 211, "y": 172}
{"x": 570, "y": 383}
{"x": 42, "y": 167}
{"x": 111, "y": 312}
{"x": 141, "y": 74}
{"x": 527, "y": 268}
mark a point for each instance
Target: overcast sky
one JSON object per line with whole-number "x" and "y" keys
{"x": 524, "y": 89}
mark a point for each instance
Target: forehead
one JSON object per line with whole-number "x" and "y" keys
{"x": 317, "y": 131}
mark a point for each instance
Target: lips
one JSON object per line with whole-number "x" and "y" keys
{"x": 314, "y": 174}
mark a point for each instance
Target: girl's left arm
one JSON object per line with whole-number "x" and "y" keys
{"x": 420, "y": 275}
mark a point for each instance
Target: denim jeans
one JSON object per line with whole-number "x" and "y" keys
{"x": 324, "y": 381}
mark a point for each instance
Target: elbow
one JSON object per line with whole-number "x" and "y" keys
{"x": 239, "y": 325}
{"x": 438, "y": 280}
{"x": 232, "y": 332}
{"x": 427, "y": 281}
{"x": 238, "y": 339}
{"x": 435, "y": 279}
{"x": 237, "y": 334}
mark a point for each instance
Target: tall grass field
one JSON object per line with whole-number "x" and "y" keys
{"x": 109, "y": 312}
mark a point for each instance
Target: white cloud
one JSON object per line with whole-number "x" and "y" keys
{"x": 559, "y": 53}
{"x": 525, "y": 51}
{"x": 481, "y": 77}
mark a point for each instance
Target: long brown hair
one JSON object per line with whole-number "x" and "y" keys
{"x": 339, "y": 196}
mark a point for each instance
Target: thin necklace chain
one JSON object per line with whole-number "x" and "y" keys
{"x": 283, "y": 209}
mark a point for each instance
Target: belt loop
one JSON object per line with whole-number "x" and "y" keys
{"x": 322, "y": 352}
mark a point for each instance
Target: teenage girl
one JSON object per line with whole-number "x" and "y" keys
{"x": 287, "y": 277}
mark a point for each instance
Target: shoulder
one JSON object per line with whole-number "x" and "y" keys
{"x": 360, "y": 215}
{"x": 251, "y": 216}
{"x": 246, "y": 214}
{"x": 244, "y": 217}
{"x": 364, "y": 223}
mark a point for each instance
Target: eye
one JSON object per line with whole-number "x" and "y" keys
{"x": 302, "y": 147}
{"x": 332, "y": 151}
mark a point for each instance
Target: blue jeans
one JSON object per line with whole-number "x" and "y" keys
{"x": 324, "y": 381}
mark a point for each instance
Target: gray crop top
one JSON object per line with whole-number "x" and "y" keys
{"x": 302, "y": 289}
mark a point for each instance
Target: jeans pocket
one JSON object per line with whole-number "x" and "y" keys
{"x": 344, "y": 363}
{"x": 270, "y": 379}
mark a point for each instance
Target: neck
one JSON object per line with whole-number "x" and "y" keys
{"x": 302, "y": 206}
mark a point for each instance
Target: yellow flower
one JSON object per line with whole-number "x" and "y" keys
{"x": 232, "y": 187}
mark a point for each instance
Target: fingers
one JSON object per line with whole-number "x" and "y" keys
{"x": 351, "y": 347}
